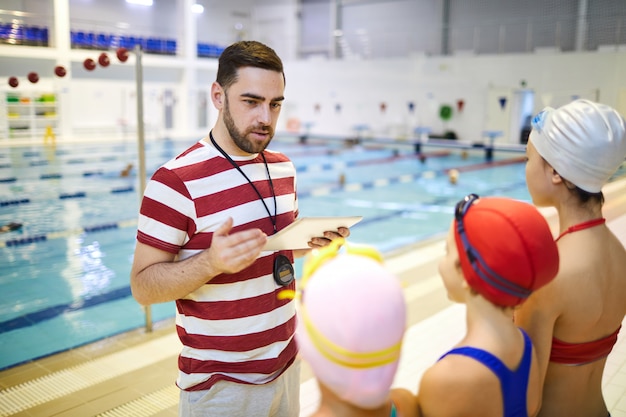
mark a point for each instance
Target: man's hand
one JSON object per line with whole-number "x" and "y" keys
{"x": 157, "y": 277}
{"x": 318, "y": 242}
{"x": 231, "y": 253}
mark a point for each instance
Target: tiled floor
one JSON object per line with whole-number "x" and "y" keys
{"x": 133, "y": 374}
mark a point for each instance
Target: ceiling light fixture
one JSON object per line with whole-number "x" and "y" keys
{"x": 140, "y": 2}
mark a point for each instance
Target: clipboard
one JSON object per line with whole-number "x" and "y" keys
{"x": 301, "y": 231}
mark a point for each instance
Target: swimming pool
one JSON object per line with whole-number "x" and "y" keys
{"x": 65, "y": 273}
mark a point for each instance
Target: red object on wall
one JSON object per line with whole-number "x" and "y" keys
{"x": 60, "y": 71}
{"x": 383, "y": 107}
{"x": 89, "y": 64}
{"x": 103, "y": 60}
{"x": 459, "y": 104}
{"x": 33, "y": 77}
{"x": 13, "y": 82}
{"x": 122, "y": 54}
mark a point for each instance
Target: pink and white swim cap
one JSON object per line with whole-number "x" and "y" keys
{"x": 351, "y": 323}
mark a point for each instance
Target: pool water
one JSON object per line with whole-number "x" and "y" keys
{"x": 64, "y": 276}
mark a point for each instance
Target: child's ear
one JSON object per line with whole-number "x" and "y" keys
{"x": 459, "y": 270}
{"x": 556, "y": 177}
{"x": 465, "y": 285}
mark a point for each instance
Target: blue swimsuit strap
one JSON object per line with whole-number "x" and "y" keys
{"x": 394, "y": 412}
{"x": 514, "y": 384}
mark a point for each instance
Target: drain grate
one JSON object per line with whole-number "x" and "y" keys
{"x": 147, "y": 405}
{"x": 59, "y": 384}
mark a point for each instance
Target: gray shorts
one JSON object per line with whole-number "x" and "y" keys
{"x": 279, "y": 398}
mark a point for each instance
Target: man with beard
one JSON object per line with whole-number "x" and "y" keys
{"x": 204, "y": 220}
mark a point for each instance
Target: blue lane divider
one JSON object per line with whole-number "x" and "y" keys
{"x": 50, "y": 176}
{"x": 376, "y": 219}
{"x": 347, "y": 164}
{"x": 8, "y": 180}
{"x": 366, "y": 185}
{"x": 79, "y": 194}
{"x": 92, "y": 173}
{"x": 122, "y": 190}
{"x": 64, "y": 196}
{"x": 49, "y": 313}
{"x": 14, "y": 202}
{"x": 25, "y": 240}
{"x": 5, "y": 165}
{"x": 100, "y": 228}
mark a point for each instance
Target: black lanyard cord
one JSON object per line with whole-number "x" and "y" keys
{"x": 267, "y": 169}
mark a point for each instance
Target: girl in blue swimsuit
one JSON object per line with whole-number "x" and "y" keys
{"x": 498, "y": 251}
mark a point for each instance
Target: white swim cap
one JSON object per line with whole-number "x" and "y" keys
{"x": 351, "y": 323}
{"x": 583, "y": 141}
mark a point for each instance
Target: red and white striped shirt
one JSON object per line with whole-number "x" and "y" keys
{"x": 234, "y": 327}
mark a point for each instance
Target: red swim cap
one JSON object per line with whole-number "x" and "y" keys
{"x": 506, "y": 249}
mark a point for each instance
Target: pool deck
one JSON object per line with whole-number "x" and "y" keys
{"x": 134, "y": 373}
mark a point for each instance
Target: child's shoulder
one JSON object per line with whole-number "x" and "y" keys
{"x": 458, "y": 377}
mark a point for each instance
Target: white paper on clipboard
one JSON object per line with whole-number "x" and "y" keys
{"x": 301, "y": 231}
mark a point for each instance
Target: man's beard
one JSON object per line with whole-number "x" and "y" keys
{"x": 240, "y": 137}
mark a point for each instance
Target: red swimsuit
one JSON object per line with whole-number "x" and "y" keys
{"x": 582, "y": 353}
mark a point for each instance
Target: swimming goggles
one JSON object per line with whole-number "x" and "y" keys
{"x": 476, "y": 261}
{"x": 539, "y": 120}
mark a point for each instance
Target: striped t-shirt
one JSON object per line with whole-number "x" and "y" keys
{"x": 234, "y": 327}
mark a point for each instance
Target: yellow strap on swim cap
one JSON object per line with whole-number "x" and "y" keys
{"x": 346, "y": 357}
{"x": 319, "y": 256}
{"x": 330, "y": 350}
{"x": 287, "y": 294}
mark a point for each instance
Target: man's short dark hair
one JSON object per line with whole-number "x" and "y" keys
{"x": 246, "y": 54}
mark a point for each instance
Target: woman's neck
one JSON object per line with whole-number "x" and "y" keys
{"x": 484, "y": 318}
{"x": 572, "y": 215}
